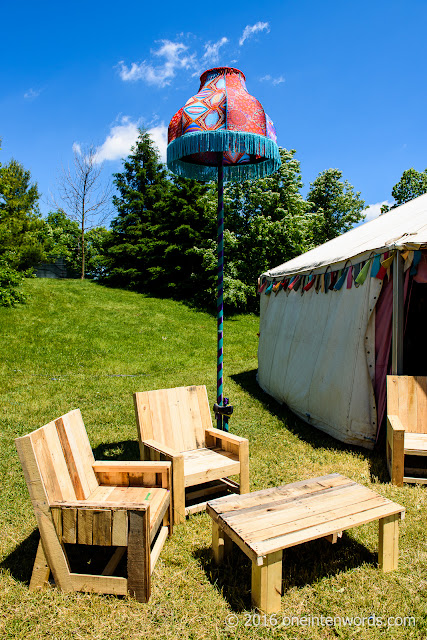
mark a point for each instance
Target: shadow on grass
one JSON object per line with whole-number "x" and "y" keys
{"x": 304, "y": 564}
{"x": 20, "y": 562}
{"x": 310, "y": 434}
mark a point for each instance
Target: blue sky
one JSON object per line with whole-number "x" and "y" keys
{"x": 344, "y": 82}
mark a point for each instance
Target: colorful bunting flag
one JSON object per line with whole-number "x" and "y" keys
{"x": 363, "y": 273}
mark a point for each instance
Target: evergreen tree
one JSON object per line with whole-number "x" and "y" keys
{"x": 142, "y": 186}
{"x": 20, "y": 221}
{"x": 184, "y": 229}
{"x": 337, "y": 206}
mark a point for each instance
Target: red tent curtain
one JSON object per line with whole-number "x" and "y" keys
{"x": 383, "y": 334}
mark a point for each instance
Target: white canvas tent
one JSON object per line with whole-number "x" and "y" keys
{"x": 317, "y": 350}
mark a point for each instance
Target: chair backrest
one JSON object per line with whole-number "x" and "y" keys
{"x": 407, "y": 398}
{"x": 175, "y": 417}
{"x": 63, "y": 458}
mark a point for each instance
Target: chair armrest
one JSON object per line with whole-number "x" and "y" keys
{"x": 168, "y": 452}
{"x": 134, "y": 473}
{"x": 225, "y": 436}
{"x": 395, "y": 423}
{"x": 113, "y": 506}
{"x": 118, "y": 466}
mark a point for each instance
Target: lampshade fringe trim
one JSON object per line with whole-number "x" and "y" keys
{"x": 222, "y": 141}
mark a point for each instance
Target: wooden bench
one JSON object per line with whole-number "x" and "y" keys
{"x": 176, "y": 425}
{"x": 76, "y": 500}
{"x": 264, "y": 523}
{"x": 406, "y": 427}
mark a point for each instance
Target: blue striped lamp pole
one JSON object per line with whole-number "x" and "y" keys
{"x": 220, "y": 290}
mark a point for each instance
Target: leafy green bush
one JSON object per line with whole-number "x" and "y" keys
{"x": 10, "y": 281}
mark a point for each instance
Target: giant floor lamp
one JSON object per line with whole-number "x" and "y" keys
{"x": 222, "y": 133}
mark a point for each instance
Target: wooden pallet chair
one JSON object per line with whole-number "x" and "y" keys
{"x": 125, "y": 505}
{"x": 406, "y": 427}
{"x": 176, "y": 425}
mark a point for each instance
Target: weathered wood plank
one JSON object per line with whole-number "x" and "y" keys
{"x": 139, "y": 566}
{"x": 85, "y": 526}
{"x": 41, "y": 570}
{"x": 119, "y": 529}
{"x": 52, "y": 548}
{"x": 102, "y": 526}
{"x": 69, "y": 526}
{"x": 321, "y": 530}
{"x": 143, "y": 416}
{"x": 99, "y": 584}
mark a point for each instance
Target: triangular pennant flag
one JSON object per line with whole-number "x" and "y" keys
{"x": 385, "y": 265}
{"x": 269, "y": 289}
{"x": 293, "y": 282}
{"x": 327, "y": 280}
{"x": 333, "y": 280}
{"x": 415, "y": 263}
{"x": 364, "y": 272}
{"x": 263, "y": 285}
{"x": 339, "y": 283}
{"x": 310, "y": 283}
{"x": 297, "y": 283}
{"x": 376, "y": 264}
{"x": 322, "y": 283}
{"x": 408, "y": 261}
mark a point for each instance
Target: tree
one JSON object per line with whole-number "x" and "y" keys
{"x": 411, "y": 185}
{"x": 183, "y": 228}
{"x": 61, "y": 239}
{"x": 336, "y": 204}
{"x": 84, "y": 197}
{"x": 20, "y": 219}
{"x": 142, "y": 187}
{"x": 266, "y": 223}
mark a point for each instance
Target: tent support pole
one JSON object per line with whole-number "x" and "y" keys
{"x": 397, "y": 337}
{"x": 220, "y": 288}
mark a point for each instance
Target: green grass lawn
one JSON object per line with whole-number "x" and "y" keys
{"x": 76, "y": 344}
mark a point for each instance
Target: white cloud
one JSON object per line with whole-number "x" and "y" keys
{"x": 269, "y": 78}
{"x": 159, "y": 135}
{"x": 211, "y": 54}
{"x": 175, "y": 57}
{"x": 251, "y": 30}
{"x": 77, "y": 148}
{"x": 119, "y": 141}
{"x": 32, "y": 94}
{"x": 374, "y": 210}
{"x": 123, "y": 136}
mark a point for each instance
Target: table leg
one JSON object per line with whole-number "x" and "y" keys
{"x": 267, "y": 583}
{"x": 388, "y": 542}
{"x": 221, "y": 543}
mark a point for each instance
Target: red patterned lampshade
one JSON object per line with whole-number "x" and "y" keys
{"x": 224, "y": 124}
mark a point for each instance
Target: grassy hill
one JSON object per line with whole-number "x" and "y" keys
{"x": 76, "y": 344}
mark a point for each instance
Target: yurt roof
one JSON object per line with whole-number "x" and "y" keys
{"x": 404, "y": 227}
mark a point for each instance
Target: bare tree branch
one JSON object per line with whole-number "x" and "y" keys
{"x": 82, "y": 194}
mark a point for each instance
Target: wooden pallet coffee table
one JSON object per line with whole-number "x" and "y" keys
{"x": 264, "y": 523}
